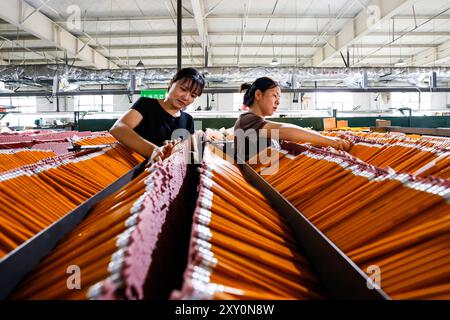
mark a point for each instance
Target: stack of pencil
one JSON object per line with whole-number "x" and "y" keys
{"x": 113, "y": 245}
{"x": 10, "y": 159}
{"x": 240, "y": 247}
{"x": 377, "y": 137}
{"x": 424, "y": 156}
{"x": 98, "y": 138}
{"x": 401, "y": 157}
{"x": 439, "y": 167}
{"x": 34, "y": 196}
{"x": 375, "y": 216}
{"x": 392, "y": 138}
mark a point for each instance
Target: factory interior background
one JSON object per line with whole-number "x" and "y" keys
{"x": 362, "y": 214}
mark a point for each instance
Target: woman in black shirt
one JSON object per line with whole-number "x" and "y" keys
{"x": 150, "y": 122}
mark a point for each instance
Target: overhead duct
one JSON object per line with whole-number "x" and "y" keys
{"x": 3, "y": 89}
{"x": 421, "y": 81}
{"x": 43, "y": 75}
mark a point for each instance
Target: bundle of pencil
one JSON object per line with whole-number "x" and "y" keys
{"x": 10, "y": 159}
{"x": 376, "y": 137}
{"x": 401, "y": 157}
{"x": 439, "y": 167}
{"x": 98, "y": 138}
{"x": 240, "y": 247}
{"x": 427, "y": 156}
{"x": 434, "y": 142}
{"x": 113, "y": 245}
{"x": 34, "y": 196}
{"x": 378, "y": 217}
{"x": 392, "y": 138}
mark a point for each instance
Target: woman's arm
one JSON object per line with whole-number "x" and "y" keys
{"x": 297, "y": 134}
{"x": 123, "y": 131}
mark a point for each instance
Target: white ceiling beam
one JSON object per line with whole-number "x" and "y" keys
{"x": 172, "y": 33}
{"x": 260, "y": 56}
{"x": 360, "y": 26}
{"x": 27, "y": 49}
{"x": 23, "y": 56}
{"x": 221, "y": 16}
{"x": 422, "y": 17}
{"x": 215, "y": 45}
{"x": 426, "y": 34}
{"x": 247, "y": 45}
{"x": 7, "y": 49}
{"x": 3, "y": 61}
{"x": 238, "y": 17}
{"x": 392, "y": 57}
{"x": 198, "y": 7}
{"x": 10, "y": 47}
{"x": 37, "y": 24}
{"x": 193, "y": 33}
{"x": 432, "y": 56}
{"x": 268, "y": 57}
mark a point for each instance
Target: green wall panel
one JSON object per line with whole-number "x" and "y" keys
{"x": 315, "y": 123}
{"x": 217, "y": 123}
{"x": 95, "y": 124}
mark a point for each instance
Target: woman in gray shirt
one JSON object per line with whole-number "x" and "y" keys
{"x": 253, "y": 133}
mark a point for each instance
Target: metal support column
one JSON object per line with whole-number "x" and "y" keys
{"x": 179, "y": 33}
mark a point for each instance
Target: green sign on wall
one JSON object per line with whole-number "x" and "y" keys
{"x": 155, "y": 94}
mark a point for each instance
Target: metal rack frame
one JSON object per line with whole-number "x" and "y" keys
{"x": 441, "y": 132}
{"x": 339, "y": 274}
{"x": 22, "y": 260}
{"x": 343, "y": 279}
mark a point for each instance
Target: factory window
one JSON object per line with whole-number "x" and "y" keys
{"x": 411, "y": 100}
{"x": 342, "y": 101}
{"x": 237, "y": 101}
{"x": 94, "y": 103}
{"x": 21, "y": 104}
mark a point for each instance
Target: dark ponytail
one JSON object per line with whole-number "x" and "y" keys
{"x": 262, "y": 84}
{"x": 245, "y": 86}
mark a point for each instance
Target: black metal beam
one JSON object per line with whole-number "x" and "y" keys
{"x": 179, "y": 33}
{"x": 218, "y": 90}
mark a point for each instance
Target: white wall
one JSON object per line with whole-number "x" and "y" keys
{"x": 224, "y": 102}
{"x": 122, "y": 103}
{"x": 439, "y": 100}
{"x": 44, "y": 105}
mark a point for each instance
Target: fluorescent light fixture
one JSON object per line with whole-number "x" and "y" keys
{"x": 275, "y": 61}
{"x": 401, "y": 63}
{"x": 140, "y": 65}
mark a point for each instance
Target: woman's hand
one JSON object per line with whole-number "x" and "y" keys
{"x": 168, "y": 147}
{"x": 156, "y": 155}
{"x": 340, "y": 144}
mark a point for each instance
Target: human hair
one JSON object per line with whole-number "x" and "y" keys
{"x": 193, "y": 79}
{"x": 262, "y": 84}
{"x": 245, "y": 86}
